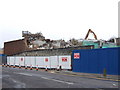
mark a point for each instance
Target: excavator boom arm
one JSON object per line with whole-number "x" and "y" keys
{"x": 90, "y": 31}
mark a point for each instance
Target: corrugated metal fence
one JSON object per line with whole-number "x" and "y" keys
{"x": 96, "y": 61}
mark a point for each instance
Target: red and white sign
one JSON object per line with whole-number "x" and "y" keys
{"x": 46, "y": 59}
{"x": 21, "y": 59}
{"x": 64, "y": 59}
{"x": 76, "y": 55}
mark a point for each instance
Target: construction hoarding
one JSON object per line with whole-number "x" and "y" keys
{"x": 96, "y": 61}
{"x": 50, "y": 62}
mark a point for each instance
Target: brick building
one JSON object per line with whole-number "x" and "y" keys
{"x": 15, "y": 46}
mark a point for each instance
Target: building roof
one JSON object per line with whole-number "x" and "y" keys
{"x": 14, "y": 41}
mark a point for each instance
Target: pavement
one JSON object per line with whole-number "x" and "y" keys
{"x": 92, "y": 75}
{"x": 26, "y": 78}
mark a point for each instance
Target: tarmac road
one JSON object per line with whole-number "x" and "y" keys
{"x": 21, "y": 78}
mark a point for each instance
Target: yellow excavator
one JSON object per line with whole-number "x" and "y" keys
{"x": 90, "y": 31}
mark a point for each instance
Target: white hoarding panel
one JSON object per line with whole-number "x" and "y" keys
{"x": 54, "y": 61}
{"x": 12, "y": 60}
{"x": 40, "y": 61}
{"x": 8, "y": 60}
{"x": 32, "y": 61}
{"x": 47, "y": 61}
{"x": 27, "y": 61}
{"x": 17, "y": 62}
{"x": 20, "y": 61}
{"x": 65, "y": 62}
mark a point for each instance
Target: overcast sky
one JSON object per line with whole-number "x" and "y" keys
{"x": 58, "y": 19}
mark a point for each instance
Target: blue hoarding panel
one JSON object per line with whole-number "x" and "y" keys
{"x": 96, "y": 60}
{"x": 2, "y": 55}
{"x": 102, "y": 60}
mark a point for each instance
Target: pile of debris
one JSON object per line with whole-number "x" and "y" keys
{"x": 38, "y": 41}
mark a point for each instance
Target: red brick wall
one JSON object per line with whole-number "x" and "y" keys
{"x": 14, "y": 47}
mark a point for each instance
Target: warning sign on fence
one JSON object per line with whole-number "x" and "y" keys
{"x": 64, "y": 59}
{"x": 76, "y": 55}
{"x": 46, "y": 59}
{"x": 21, "y": 59}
